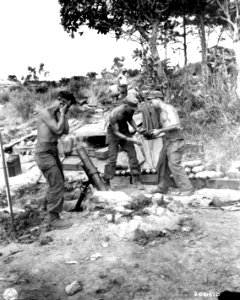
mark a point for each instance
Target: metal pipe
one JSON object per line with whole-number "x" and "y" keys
{"x": 7, "y": 184}
{"x": 90, "y": 170}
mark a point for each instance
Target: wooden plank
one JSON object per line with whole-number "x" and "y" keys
{"x": 72, "y": 163}
{"x": 102, "y": 153}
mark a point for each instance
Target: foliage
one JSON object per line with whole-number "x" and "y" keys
{"x": 35, "y": 74}
{"x": 113, "y": 15}
{"x": 12, "y": 78}
{"x": 77, "y": 84}
{"x": 24, "y": 103}
{"x": 64, "y": 81}
{"x": 4, "y": 97}
{"x": 133, "y": 72}
{"x": 92, "y": 75}
{"x": 97, "y": 92}
{"x": 136, "y": 19}
{"x": 202, "y": 104}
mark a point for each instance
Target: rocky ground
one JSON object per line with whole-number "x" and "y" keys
{"x": 113, "y": 250}
{"x": 197, "y": 261}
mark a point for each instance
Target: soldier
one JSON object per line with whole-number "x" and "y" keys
{"x": 118, "y": 134}
{"x": 123, "y": 84}
{"x": 172, "y": 151}
{"x": 51, "y": 124}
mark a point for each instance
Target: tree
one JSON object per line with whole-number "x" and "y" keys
{"x": 135, "y": 19}
{"x": 12, "y": 78}
{"x": 92, "y": 75}
{"x": 230, "y": 15}
{"x": 34, "y": 74}
{"x": 201, "y": 14}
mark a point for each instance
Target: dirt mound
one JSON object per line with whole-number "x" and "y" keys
{"x": 28, "y": 226}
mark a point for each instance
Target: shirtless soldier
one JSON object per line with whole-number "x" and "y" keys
{"x": 173, "y": 147}
{"x": 118, "y": 134}
{"x": 51, "y": 124}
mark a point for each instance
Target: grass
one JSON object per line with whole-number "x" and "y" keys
{"x": 209, "y": 111}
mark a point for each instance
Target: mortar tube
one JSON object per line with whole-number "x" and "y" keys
{"x": 90, "y": 170}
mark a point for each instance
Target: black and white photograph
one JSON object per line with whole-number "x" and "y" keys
{"x": 119, "y": 149}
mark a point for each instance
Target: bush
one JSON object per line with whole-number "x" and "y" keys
{"x": 77, "y": 84}
{"x": 24, "y": 103}
{"x": 4, "y": 97}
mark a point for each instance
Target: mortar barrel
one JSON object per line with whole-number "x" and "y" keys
{"x": 91, "y": 170}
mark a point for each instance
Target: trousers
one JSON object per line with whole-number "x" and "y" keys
{"x": 169, "y": 163}
{"x": 47, "y": 159}
{"x": 113, "y": 145}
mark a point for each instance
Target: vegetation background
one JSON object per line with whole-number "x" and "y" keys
{"x": 206, "y": 94}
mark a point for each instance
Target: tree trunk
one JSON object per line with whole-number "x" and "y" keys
{"x": 154, "y": 52}
{"x": 184, "y": 39}
{"x": 204, "y": 48}
{"x": 236, "y": 45}
{"x": 203, "y": 39}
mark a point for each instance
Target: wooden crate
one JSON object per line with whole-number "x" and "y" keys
{"x": 102, "y": 153}
{"x": 72, "y": 163}
{"x": 14, "y": 166}
{"x": 149, "y": 178}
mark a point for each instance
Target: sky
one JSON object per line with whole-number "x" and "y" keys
{"x": 31, "y": 33}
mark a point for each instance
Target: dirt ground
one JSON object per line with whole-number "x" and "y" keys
{"x": 184, "y": 265}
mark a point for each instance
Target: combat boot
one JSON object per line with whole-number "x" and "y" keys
{"x": 55, "y": 222}
{"x": 107, "y": 183}
{"x": 159, "y": 190}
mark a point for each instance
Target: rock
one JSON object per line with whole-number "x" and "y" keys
{"x": 117, "y": 218}
{"x": 96, "y": 215}
{"x": 140, "y": 200}
{"x": 10, "y": 294}
{"x": 96, "y": 256}
{"x": 221, "y": 201}
{"x": 124, "y": 211}
{"x": 73, "y": 288}
{"x": 157, "y": 199}
{"x": 167, "y": 221}
{"x": 111, "y": 198}
{"x": 152, "y": 225}
{"x": 186, "y": 228}
{"x": 126, "y": 229}
{"x": 110, "y": 217}
{"x": 45, "y": 240}
{"x": 150, "y": 210}
{"x": 175, "y": 206}
{"x": 160, "y": 211}
{"x": 29, "y": 143}
{"x": 140, "y": 237}
{"x": 22, "y": 144}
{"x": 154, "y": 210}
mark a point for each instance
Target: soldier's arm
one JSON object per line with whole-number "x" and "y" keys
{"x": 54, "y": 125}
{"x": 114, "y": 124}
{"x": 119, "y": 134}
{"x": 171, "y": 122}
{"x": 66, "y": 126}
{"x": 133, "y": 124}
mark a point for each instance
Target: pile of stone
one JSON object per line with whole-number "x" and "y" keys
{"x": 197, "y": 169}
{"x": 138, "y": 215}
{"x": 234, "y": 170}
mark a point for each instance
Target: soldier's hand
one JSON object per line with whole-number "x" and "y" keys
{"x": 155, "y": 132}
{"x": 64, "y": 109}
{"x": 135, "y": 141}
{"x": 141, "y": 130}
